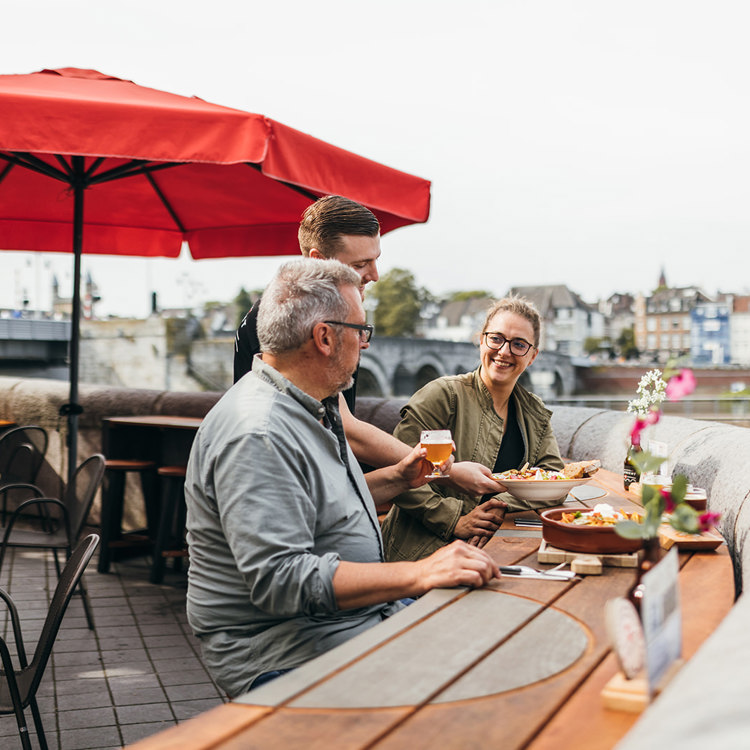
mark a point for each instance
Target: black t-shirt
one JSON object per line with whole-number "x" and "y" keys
{"x": 246, "y": 346}
{"x": 510, "y": 454}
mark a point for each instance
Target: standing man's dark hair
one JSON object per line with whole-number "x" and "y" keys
{"x": 333, "y": 228}
{"x": 328, "y": 219}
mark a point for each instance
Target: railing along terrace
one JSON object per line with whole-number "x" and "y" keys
{"x": 728, "y": 409}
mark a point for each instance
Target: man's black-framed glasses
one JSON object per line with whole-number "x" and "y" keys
{"x": 365, "y": 330}
{"x": 496, "y": 341}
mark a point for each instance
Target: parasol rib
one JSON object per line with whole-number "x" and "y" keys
{"x": 35, "y": 164}
{"x": 67, "y": 169}
{"x": 132, "y": 168}
{"x": 306, "y": 193}
{"x": 94, "y": 166}
{"x": 164, "y": 200}
{"x": 7, "y": 169}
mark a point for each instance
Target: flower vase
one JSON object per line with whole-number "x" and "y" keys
{"x": 630, "y": 473}
{"x": 648, "y": 557}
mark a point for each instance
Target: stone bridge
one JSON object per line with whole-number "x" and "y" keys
{"x": 400, "y": 366}
{"x": 127, "y": 353}
{"x": 34, "y": 340}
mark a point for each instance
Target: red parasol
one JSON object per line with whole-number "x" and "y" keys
{"x": 97, "y": 164}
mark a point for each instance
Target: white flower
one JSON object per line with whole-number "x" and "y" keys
{"x": 651, "y": 391}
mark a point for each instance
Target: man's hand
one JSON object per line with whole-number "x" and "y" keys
{"x": 415, "y": 467}
{"x": 458, "y": 564}
{"x": 408, "y": 473}
{"x": 483, "y": 521}
{"x": 474, "y": 479}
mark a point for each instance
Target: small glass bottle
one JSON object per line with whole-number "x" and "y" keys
{"x": 630, "y": 473}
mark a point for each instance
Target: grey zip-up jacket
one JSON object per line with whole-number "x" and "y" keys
{"x": 422, "y": 520}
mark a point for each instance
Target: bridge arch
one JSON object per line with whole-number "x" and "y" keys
{"x": 558, "y": 383}
{"x": 399, "y": 366}
{"x": 372, "y": 379}
{"x": 424, "y": 375}
{"x": 403, "y": 381}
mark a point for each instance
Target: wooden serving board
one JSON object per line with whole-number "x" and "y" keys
{"x": 549, "y": 554}
{"x": 708, "y": 540}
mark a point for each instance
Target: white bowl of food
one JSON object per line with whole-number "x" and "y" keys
{"x": 532, "y": 484}
{"x": 531, "y": 490}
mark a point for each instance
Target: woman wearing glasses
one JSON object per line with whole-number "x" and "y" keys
{"x": 494, "y": 421}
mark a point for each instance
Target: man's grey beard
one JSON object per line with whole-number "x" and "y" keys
{"x": 346, "y": 386}
{"x": 349, "y": 382}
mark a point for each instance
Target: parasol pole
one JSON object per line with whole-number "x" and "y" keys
{"x": 72, "y": 407}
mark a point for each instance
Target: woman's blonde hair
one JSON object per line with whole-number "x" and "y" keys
{"x": 518, "y": 306}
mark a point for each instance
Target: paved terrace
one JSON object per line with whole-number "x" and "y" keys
{"x": 137, "y": 674}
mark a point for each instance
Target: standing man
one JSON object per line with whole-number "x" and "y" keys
{"x": 286, "y": 557}
{"x": 340, "y": 228}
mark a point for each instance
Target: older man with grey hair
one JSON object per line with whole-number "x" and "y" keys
{"x": 286, "y": 557}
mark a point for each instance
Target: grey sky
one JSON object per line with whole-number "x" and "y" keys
{"x": 588, "y": 143}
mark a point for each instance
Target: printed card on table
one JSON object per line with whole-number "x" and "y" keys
{"x": 662, "y": 618}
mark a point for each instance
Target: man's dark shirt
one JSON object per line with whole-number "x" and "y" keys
{"x": 246, "y": 346}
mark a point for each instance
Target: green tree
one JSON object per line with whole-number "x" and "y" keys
{"x": 243, "y": 302}
{"x": 592, "y": 344}
{"x": 626, "y": 344}
{"x": 399, "y": 302}
{"x": 474, "y": 294}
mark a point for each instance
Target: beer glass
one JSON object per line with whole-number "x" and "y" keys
{"x": 439, "y": 444}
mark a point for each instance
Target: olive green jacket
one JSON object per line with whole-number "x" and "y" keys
{"x": 423, "y": 520}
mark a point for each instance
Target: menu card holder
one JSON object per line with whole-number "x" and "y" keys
{"x": 648, "y": 647}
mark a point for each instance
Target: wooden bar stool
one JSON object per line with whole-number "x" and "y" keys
{"x": 170, "y": 536}
{"x": 113, "y": 499}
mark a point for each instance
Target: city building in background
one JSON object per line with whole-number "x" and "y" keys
{"x": 618, "y": 312}
{"x": 710, "y": 334}
{"x": 663, "y": 322}
{"x": 457, "y": 320}
{"x": 739, "y": 329}
{"x": 568, "y": 320}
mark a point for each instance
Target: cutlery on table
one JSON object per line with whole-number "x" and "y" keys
{"x": 524, "y": 571}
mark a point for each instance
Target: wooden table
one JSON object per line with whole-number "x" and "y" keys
{"x": 163, "y": 439}
{"x": 518, "y": 664}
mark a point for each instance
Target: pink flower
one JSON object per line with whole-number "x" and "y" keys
{"x": 708, "y": 520}
{"x": 669, "y": 505}
{"x": 640, "y": 424}
{"x": 680, "y": 385}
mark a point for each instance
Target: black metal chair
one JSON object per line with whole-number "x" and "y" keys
{"x": 19, "y": 685}
{"x": 63, "y": 519}
{"x": 22, "y": 453}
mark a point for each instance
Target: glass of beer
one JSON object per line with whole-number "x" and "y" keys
{"x": 439, "y": 444}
